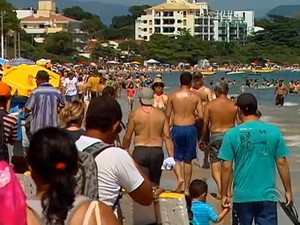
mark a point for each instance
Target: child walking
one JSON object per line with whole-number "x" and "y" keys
{"x": 203, "y": 213}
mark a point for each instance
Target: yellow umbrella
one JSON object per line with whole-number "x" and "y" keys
{"x": 22, "y": 78}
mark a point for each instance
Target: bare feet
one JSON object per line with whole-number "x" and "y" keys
{"x": 205, "y": 165}
{"x": 179, "y": 186}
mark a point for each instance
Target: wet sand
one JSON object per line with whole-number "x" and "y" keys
{"x": 168, "y": 179}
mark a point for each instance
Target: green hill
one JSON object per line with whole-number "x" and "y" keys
{"x": 104, "y": 10}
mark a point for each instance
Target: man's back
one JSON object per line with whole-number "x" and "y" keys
{"x": 204, "y": 93}
{"x": 44, "y": 102}
{"x": 254, "y": 147}
{"x": 148, "y": 126}
{"x": 222, "y": 114}
{"x": 184, "y": 104}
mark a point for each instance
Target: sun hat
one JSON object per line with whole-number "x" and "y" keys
{"x": 157, "y": 81}
{"x": 147, "y": 96}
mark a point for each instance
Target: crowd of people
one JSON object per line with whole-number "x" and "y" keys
{"x": 81, "y": 165}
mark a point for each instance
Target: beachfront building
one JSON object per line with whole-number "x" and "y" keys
{"x": 46, "y": 21}
{"x": 230, "y": 27}
{"x": 175, "y": 16}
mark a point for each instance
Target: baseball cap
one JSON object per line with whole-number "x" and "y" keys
{"x": 43, "y": 75}
{"x": 147, "y": 96}
{"x": 104, "y": 107}
{"x": 247, "y": 102}
{"x": 5, "y": 90}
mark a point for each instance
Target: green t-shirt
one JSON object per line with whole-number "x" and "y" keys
{"x": 254, "y": 147}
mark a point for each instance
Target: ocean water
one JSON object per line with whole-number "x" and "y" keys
{"x": 287, "y": 117}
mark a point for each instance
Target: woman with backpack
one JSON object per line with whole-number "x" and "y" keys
{"x": 53, "y": 162}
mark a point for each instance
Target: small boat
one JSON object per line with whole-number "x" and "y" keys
{"x": 263, "y": 70}
{"x": 208, "y": 73}
{"x": 235, "y": 72}
{"x": 265, "y": 87}
{"x": 295, "y": 70}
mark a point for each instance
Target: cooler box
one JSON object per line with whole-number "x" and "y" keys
{"x": 173, "y": 209}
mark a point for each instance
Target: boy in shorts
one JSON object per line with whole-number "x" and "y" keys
{"x": 203, "y": 212}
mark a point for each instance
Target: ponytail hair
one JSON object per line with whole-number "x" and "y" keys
{"x": 53, "y": 158}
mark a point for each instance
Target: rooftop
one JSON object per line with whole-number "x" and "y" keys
{"x": 176, "y": 5}
{"x": 51, "y": 17}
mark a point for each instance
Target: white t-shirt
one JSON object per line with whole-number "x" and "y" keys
{"x": 71, "y": 86}
{"x": 116, "y": 169}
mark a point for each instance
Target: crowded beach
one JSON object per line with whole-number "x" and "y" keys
{"x": 72, "y": 153}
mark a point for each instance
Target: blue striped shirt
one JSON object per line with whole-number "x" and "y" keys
{"x": 203, "y": 213}
{"x": 44, "y": 103}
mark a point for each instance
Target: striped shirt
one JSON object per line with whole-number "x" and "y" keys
{"x": 44, "y": 103}
{"x": 10, "y": 128}
{"x": 203, "y": 213}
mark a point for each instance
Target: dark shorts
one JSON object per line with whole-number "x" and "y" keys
{"x": 199, "y": 124}
{"x": 70, "y": 98}
{"x": 185, "y": 142}
{"x": 215, "y": 143}
{"x": 263, "y": 213}
{"x": 150, "y": 160}
{"x": 279, "y": 100}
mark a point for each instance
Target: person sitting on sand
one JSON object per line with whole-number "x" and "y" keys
{"x": 203, "y": 212}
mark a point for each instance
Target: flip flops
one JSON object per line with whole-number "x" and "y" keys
{"x": 291, "y": 212}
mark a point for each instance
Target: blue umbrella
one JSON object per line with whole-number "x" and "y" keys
{"x": 3, "y": 61}
{"x": 21, "y": 61}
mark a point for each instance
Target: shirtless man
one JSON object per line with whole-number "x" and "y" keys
{"x": 183, "y": 103}
{"x": 219, "y": 116}
{"x": 206, "y": 96}
{"x": 280, "y": 92}
{"x": 150, "y": 127}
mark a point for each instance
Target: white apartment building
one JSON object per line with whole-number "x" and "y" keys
{"x": 249, "y": 17}
{"x": 174, "y": 16}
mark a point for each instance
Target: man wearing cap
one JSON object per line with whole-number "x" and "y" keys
{"x": 150, "y": 127}
{"x": 183, "y": 104}
{"x": 45, "y": 103}
{"x": 8, "y": 123}
{"x": 115, "y": 166}
{"x": 206, "y": 96}
{"x": 219, "y": 117}
{"x": 255, "y": 148}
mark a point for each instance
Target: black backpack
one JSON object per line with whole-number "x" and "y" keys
{"x": 3, "y": 145}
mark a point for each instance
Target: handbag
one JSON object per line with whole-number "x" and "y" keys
{"x": 93, "y": 208}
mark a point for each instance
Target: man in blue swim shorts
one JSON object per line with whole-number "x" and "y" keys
{"x": 183, "y": 104}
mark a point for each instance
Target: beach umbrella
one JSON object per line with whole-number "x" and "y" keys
{"x": 136, "y": 62}
{"x": 22, "y": 78}
{"x": 112, "y": 62}
{"x": 3, "y": 61}
{"x": 43, "y": 62}
{"x": 152, "y": 61}
{"x": 20, "y": 61}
